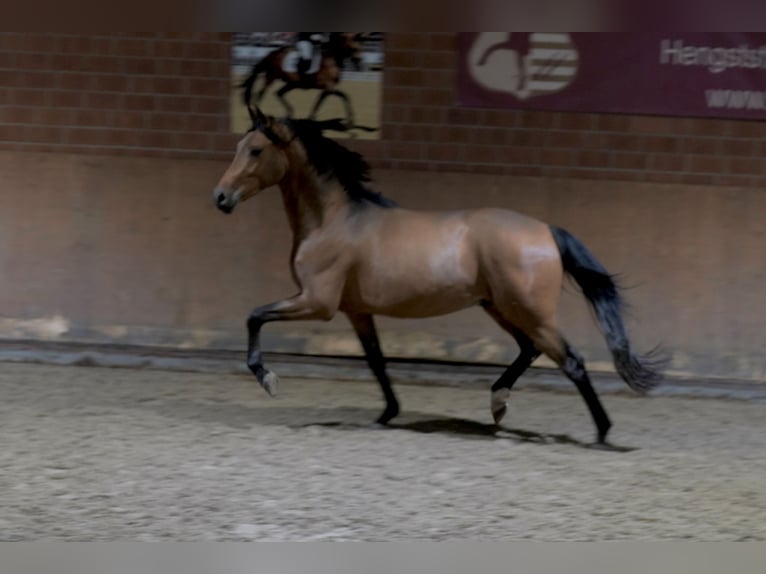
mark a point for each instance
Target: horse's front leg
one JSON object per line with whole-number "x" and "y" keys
{"x": 281, "y": 92}
{"x": 300, "y": 307}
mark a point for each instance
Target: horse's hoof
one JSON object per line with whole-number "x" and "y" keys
{"x": 499, "y": 405}
{"x": 388, "y": 414}
{"x": 270, "y": 383}
{"x": 378, "y": 426}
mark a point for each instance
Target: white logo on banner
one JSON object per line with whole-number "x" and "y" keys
{"x": 522, "y": 63}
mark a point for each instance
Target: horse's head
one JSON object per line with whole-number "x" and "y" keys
{"x": 260, "y": 162}
{"x": 344, "y": 45}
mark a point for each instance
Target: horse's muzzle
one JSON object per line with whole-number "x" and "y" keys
{"x": 223, "y": 201}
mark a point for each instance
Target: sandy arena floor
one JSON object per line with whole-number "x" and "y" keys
{"x": 118, "y": 454}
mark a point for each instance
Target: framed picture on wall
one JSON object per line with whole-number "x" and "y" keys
{"x": 321, "y": 75}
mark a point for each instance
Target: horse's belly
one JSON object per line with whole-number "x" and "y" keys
{"x": 416, "y": 292}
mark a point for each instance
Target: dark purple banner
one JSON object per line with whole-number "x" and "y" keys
{"x": 675, "y": 74}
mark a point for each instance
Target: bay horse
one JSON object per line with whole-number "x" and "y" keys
{"x": 340, "y": 47}
{"x": 357, "y": 252}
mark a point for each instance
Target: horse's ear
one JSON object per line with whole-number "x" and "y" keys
{"x": 257, "y": 116}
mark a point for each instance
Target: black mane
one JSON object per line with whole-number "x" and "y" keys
{"x": 331, "y": 159}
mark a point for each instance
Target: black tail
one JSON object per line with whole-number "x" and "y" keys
{"x": 640, "y": 372}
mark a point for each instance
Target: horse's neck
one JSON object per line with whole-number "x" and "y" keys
{"x": 310, "y": 205}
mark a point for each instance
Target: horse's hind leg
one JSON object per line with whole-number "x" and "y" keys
{"x": 552, "y": 343}
{"x": 320, "y": 98}
{"x": 501, "y": 389}
{"x": 365, "y": 329}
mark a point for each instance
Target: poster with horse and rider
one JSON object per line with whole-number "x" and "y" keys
{"x": 320, "y": 75}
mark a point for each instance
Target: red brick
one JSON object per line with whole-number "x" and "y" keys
{"x": 74, "y": 81}
{"x": 75, "y": 44}
{"x": 143, "y": 85}
{"x": 444, "y": 42}
{"x": 137, "y": 47}
{"x": 140, "y": 66}
{"x": 569, "y": 139}
{"x": 207, "y": 87}
{"x": 103, "y": 64}
{"x": 110, "y": 83}
{"x": 703, "y": 127}
{"x": 660, "y": 144}
{"x": 179, "y": 104}
{"x": 414, "y": 41}
{"x": 517, "y": 155}
{"x": 432, "y": 97}
{"x": 700, "y": 146}
{"x": 696, "y": 179}
{"x": 23, "y": 97}
{"x": 524, "y": 137}
{"x": 438, "y": 79}
{"x": 171, "y": 122}
{"x": 449, "y": 152}
{"x": 436, "y": 59}
{"x": 156, "y": 139}
{"x": 651, "y": 124}
{"x": 397, "y": 95}
{"x": 166, "y": 67}
{"x": 41, "y": 134}
{"x": 489, "y": 136}
{"x": 55, "y": 116}
{"x": 66, "y": 99}
{"x": 193, "y": 141}
{"x": 407, "y": 150}
{"x": 168, "y": 49}
{"x": 96, "y": 137}
{"x": 402, "y": 77}
{"x": 105, "y": 100}
{"x": 668, "y": 162}
{"x": 613, "y": 123}
{"x": 29, "y": 61}
{"x": 138, "y": 102}
{"x": 203, "y": 123}
{"x": 741, "y": 147}
{"x": 557, "y": 157}
{"x": 463, "y": 116}
{"x": 622, "y": 160}
{"x": 707, "y": 164}
{"x": 210, "y": 105}
{"x": 625, "y": 142}
{"x": 197, "y": 68}
{"x": 204, "y": 51}
{"x": 747, "y": 129}
{"x": 92, "y": 117}
{"x": 576, "y": 121}
{"x": 36, "y": 80}
{"x": 67, "y": 62}
{"x": 21, "y": 115}
{"x": 7, "y": 60}
{"x": 540, "y": 120}
{"x": 449, "y": 134}
{"x": 746, "y": 165}
{"x": 592, "y": 158}
{"x": 169, "y": 86}
{"x": 11, "y": 41}
{"x": 501, "y": 118}
{"x": 130, "y": 120}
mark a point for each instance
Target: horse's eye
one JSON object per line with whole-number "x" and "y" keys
{"x": 255, "y": 152}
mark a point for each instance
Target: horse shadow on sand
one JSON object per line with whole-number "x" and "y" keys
{"x": 351, "y": 419}
{"x": 470, "y": 429}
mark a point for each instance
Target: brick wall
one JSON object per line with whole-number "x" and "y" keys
{"x": 167, "y": 95}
